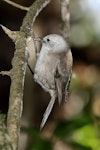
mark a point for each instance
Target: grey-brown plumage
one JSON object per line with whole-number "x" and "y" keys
{"x": 53, "y": 69}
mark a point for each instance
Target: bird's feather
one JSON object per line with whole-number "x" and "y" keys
{"x": 67, "y": 86}
{"x": 48, "y": 110}
{"x": 58, "y": 85}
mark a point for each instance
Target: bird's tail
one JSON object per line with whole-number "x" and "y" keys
{"x": 47, "y": 112}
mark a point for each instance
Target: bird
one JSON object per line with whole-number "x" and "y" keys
{"x": 53, "y": 70}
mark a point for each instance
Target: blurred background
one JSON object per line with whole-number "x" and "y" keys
{"x": 74, "y": 125}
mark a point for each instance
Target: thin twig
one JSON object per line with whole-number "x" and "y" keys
{"x": 7, "y": 73}
{"x": 11, "y": 34}
{"x": 16, "y": 5}
{"x": 31, "y": 15}
{"x": 65, "y": 16}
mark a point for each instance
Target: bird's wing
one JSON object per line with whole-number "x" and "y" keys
{"x": 62, "y": 86}
{"x": 66, "y": 90}
{"x": 58, "y": 84}
{"x": 63, "y": 76}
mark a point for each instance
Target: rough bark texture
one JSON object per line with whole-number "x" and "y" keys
{"x": 65, "y": 19}
{"x": 17, "y": 73}
{"x": 5, "y": 143}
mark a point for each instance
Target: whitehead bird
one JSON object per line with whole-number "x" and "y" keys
{"x": 53, "y": 70}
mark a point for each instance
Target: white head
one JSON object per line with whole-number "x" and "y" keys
{"x": 53, "y": 43}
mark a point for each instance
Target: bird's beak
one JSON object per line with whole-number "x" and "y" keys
{"x": 39, "y": 39}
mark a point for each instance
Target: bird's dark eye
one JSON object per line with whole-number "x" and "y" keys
{"x": 48, "y": 40}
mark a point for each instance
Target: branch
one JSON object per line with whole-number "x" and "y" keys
{"x": 18, "y": 71}
{"x": 65, "y": 15}
{"x": 7, "y": 73}
{"x": 5, "y": 143}
{"x": 12, "y": 34}
{"x": 16, "y": 5}
{"x": 31, "y": 15}
{"x": 16, "y": 89}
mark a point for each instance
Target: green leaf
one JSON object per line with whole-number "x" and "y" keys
{"x": 87, "y": 136}
{"x": 37, "y": 142}
{"x": 40, "y": 144}
{"x": 78, "y": 146}
{"x": 65, "y": 128}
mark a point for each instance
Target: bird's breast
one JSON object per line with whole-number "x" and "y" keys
{"x": 44, "y": 71}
